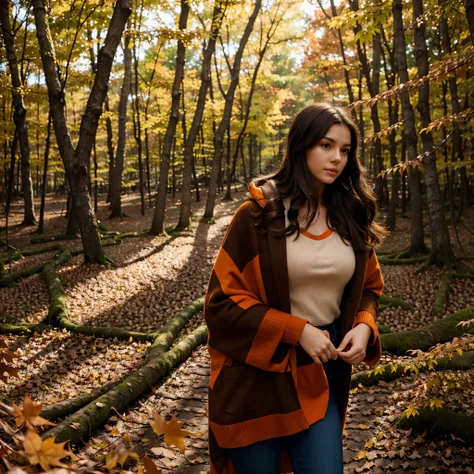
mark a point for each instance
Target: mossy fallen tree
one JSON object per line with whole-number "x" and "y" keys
{"x": 441, "y": 422}
{"x": 54, "y": 238}
{"x": 388, "y": 301}
{"x": 389, "y": 372}
{"x": 441, "y": 330}
{"x": 163, "y": 338}
{"x": 66, "y": 407}
{"x": 57, "y": 315}
{"x": 22, "y": 328}
{"x": 443, "y": 289}
{"x": 11, "y": 279}
{"x": 80, "y": 426}
{"x": 19, "y": 254}
{"x": 401, "y": 261}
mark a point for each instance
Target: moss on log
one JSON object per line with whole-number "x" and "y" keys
{"x": 57, "y": 315}
{"x": 164, "y": 337}
{"x": 12, "y": 278}
{"x": 81, "y": 425}
{"x": 21, "y": 328}
{"x": 66, "y": 407}
{"x": 425, "y": 337}
{"x": 17, "y": 255}
{"x": 389, "y": 372}
{"x": 54, "y": 238}
{"x": 401, "y": 261}
{"x": 443, "y": 289}
{"x": 388, "y": 301}
{"x": 441, "y": 422}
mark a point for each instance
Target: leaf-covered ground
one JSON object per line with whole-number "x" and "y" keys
{"x": 154, "y": 278}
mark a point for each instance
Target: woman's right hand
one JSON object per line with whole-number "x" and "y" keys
{"x": 317, "y": 344}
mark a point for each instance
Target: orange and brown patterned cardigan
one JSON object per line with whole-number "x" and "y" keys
{"x": 263, "y": 384}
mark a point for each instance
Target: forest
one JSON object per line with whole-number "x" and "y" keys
{"x": 130, "y": 131}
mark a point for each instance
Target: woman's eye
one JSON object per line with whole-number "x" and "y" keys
{"x": 345, "y": 151}
{"x": 326, "y": 146}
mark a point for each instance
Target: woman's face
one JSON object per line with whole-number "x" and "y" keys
{"x": 329, "y": 156}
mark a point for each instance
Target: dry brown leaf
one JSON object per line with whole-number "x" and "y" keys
{"x": 28, "y": 414}
{"x": 173, "y": 434}
{"x": 150, "y": 467}
{"x": 119, "y": 455}
{"x": 45, "y": 453}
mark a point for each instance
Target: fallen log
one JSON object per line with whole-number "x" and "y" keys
{"x": 388, "y": 301}
{"x": 441, "y": 422}
{"x": 163, "y": 338}
{"x": 80, "y": 426}
{"x": 443, "y": 289}
{"x": 441, "y": 330}
{"x": 389, "y": 372}
{"x": 57, "y": 315}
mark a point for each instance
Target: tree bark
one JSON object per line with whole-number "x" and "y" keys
{"x": 469, "y": 6}
{"x": 157, "y": 225}
{"x": 441, "y": 251}
{"x": 75, "y": 160}
{"x": 116, "y": 191}
{"x": 45, "y": 177}
{"x": 110, "y": 145}
{"x": 417, "y": 234}
{"x": 19, "y": 114}
{"x": 225, "y": 121}
{"x": 190, "y": 140}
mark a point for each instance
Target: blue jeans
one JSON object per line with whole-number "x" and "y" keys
{"x": 317, "y": 450}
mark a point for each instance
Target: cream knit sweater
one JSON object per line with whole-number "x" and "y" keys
{"x": 319, "y": 267}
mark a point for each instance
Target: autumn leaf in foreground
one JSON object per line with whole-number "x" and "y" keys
{"x": 119, "y": 455}
{"x": 46, "y": 453}
{"x": 28, "y": 414}
{"x": 6, "y": 358}
{"x": 174, "y": 435}
{"x": 150, "y": 467}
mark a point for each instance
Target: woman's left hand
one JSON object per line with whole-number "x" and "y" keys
{"x": 352, "y": 348}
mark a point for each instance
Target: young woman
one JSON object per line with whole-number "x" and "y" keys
{"x": 291, "y": 306}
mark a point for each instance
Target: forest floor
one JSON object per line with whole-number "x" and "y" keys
{"x": 156, "y": 277}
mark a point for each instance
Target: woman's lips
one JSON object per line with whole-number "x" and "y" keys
{"x": 331, "y": 171}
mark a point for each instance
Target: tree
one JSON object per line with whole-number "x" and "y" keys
{"x": 417, "y": 243}
{"x": 76, "y": 159}
{"x": 159, "y": 213}
{"x": 19, "y": 114}
{"x": 229, "y": 101}
{"x": 469, "y": 6}
{"x": 217, "y": 16}
{"x": 116, "y": 183}
{"x": 441, "y": 250}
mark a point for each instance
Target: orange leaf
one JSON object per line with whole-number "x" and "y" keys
{"x": 150, "y": 467}
{"x": 28, "y": 414}
{"x": 46, "y": 453}
{"x": 119, "y": 455}
{"x": 173, "y": 434}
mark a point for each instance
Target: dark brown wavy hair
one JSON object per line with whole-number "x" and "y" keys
{"x": 351, "y": 206}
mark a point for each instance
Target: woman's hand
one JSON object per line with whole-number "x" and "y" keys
{"x": 317, "y": 344}
{"x": 352, "y": 348}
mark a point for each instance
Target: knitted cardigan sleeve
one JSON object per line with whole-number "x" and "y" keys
{"x": 241, "y": 324}
{"x": 369, "y": 307}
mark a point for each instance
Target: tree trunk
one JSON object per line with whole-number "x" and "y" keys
{"x": 417, "y": 243}
{"x": 441, "y": 251}
{"x": 110, "y": 145}
{"x": 137, "y": 126}
{"x": 190, "y": 140}
{"x": 75, "y": 160}
{"x": 225, "y": 121}
{"x": 469, "y": 6}
{"x": 116, "y": 191}
{"x": 157, "y": 225}
{"x": 45, "y": 177}
{"x": 19, "y": 114}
